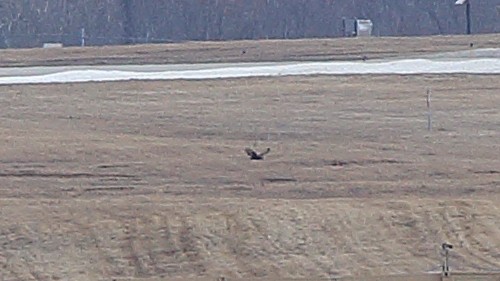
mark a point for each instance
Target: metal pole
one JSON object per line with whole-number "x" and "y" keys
{"x": 446, "y": 264}
{"x": 429, "y": 111}
{"x": 467, "y": 12}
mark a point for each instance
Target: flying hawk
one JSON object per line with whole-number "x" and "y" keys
{"x": 256, "y": 156}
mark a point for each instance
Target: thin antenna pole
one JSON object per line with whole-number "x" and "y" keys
{"x": 446, "y": 264}
{"x": 429, "y": 111}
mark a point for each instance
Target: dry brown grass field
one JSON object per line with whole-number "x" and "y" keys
{"x": 148, "y": 179}
{"x": 249, "y": 51}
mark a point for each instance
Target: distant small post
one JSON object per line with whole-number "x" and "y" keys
{"x": 83, "y": 37}
{"x": 446, "y": 264}
{"x": 429, "y": 111}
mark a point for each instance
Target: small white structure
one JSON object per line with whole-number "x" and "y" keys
{"x": 52, "y": 45}
{"x": 364, "y": 27}
{"x": 354, "y": 27}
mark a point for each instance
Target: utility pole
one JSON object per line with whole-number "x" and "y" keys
{"x": 467, "y": 13}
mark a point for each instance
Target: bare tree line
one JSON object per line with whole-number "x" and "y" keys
{"x": 30, "y": 23}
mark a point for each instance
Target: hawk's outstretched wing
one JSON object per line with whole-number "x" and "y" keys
{"x": 265, "y": 152}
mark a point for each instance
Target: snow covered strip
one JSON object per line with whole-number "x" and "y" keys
{"x": 235, "y": 70}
